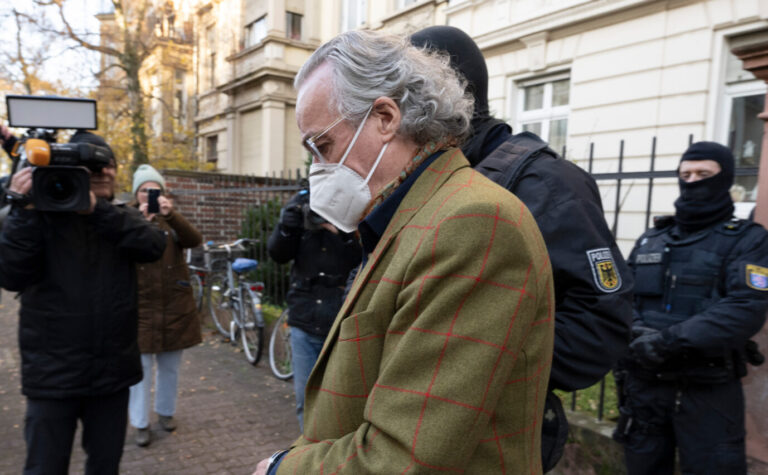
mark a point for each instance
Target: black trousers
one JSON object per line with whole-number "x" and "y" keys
{"x": 49, "y": 429}
{"x": 704, "y": 422}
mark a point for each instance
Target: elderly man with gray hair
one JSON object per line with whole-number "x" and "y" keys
{"x": 440, "y": 356}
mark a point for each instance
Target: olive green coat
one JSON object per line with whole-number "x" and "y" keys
{"x": 168, "y": 316}
{"x": 439, "y": 359}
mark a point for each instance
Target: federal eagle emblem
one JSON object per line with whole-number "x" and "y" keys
{"x": 757, "y": 277}
{"x": 604, "y": 271}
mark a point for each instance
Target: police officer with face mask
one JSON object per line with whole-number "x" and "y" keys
{"x": 701, "y": 281}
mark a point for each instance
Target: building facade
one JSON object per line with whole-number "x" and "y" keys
{"x": 580, "y": 72}
{"x": 247, "y": 54}
{"x": 583, "y": 74}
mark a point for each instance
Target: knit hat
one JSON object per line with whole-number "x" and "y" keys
{"x": 144, "y": 174}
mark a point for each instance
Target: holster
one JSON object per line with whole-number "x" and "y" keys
{"x": 623, "y": 425}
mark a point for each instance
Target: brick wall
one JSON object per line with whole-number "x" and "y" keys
{"x": 215, "y": 203}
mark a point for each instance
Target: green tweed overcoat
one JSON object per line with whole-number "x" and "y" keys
{"x": 439, "y": 359}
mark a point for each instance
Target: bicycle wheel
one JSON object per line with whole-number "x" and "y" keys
{"x": 197, "y": 289}
{"x": 219, "y": 303}
{"x": 252, "y": 325}
{"x": 280, "y": 348}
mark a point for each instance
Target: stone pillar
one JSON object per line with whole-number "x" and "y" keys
{"x": 232, "y": 164}
{"x": 755, "y": 59}
{"x": 273, "y": 137}
{"x": 276, "y": 17}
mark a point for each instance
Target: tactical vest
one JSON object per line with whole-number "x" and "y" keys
{"x": 676, "y": 279}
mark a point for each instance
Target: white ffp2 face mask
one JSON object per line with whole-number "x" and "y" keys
{"x": 338, "y": 193}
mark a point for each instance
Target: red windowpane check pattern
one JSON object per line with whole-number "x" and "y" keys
{"x": 440, "y": 357}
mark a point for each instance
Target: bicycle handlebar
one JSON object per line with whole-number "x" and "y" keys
{"x": 229, "y": 246}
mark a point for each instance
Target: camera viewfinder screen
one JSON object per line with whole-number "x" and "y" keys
{"x": 51, "y": 112}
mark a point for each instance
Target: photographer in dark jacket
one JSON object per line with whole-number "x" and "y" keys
{"x": 593, "y": 286}
{"x": 78, "y": 318}
{"x": 322, "y": 258}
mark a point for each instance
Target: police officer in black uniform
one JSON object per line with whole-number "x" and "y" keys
{"x": 593, "y": 286}
{"x": 701, "y": 281}
{"x": 322, "y": 258}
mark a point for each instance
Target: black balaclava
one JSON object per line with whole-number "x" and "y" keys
{"x": 467, "y": 59}
{"x": 706, "y": 202}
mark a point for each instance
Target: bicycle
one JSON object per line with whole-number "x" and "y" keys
{"x": 235, "y": 304}
{"x": 197, "y": 278}
{"x": 280, "y": 348}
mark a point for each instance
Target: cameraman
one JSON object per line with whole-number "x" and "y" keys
{"x": 322, "y": 258}
{"x": 76, "y": 275}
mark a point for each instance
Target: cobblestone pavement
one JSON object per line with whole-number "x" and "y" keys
{"x": 230, "y": 414}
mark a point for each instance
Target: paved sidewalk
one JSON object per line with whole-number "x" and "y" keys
{"x": 230, "y": 414}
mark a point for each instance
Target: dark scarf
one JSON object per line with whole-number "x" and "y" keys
{"x": 706, "y": 202}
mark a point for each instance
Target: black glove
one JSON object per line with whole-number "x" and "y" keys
{"x": 291, "y": 216}
{"x": 650, "y": 349}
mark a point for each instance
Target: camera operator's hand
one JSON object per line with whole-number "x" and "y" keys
{"x": 5, "y": 134}
{"x": 21, "y": 182}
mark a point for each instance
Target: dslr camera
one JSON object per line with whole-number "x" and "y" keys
{"x": 61, "y": 176}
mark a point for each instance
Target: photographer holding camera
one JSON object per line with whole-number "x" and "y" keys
{"x": 322, "y": 258}
{"x": 168, "y": 318}
{"x": 75, "y": 271}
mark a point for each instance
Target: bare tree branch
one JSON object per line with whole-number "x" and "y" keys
{"x": 70, "y": 32}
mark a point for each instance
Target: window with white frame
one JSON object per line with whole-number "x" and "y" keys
{"x": 740, "y": 128}
{"x": 352, "y": 14}
{"x": 405, "y": 3}
{"x": 542, "y": 107}
{"x": 255, "y": 31}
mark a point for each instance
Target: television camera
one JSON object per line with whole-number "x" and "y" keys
{"x": 61, "y": 176}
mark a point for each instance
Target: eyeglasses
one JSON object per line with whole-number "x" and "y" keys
{"x": 309, "y": 143}
{"x": 146, "y": 190}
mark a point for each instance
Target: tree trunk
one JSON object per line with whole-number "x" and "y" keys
{"x": 139, "y": 145}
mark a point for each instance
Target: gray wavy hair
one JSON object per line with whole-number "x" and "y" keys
{"x": 368, "y": 65}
